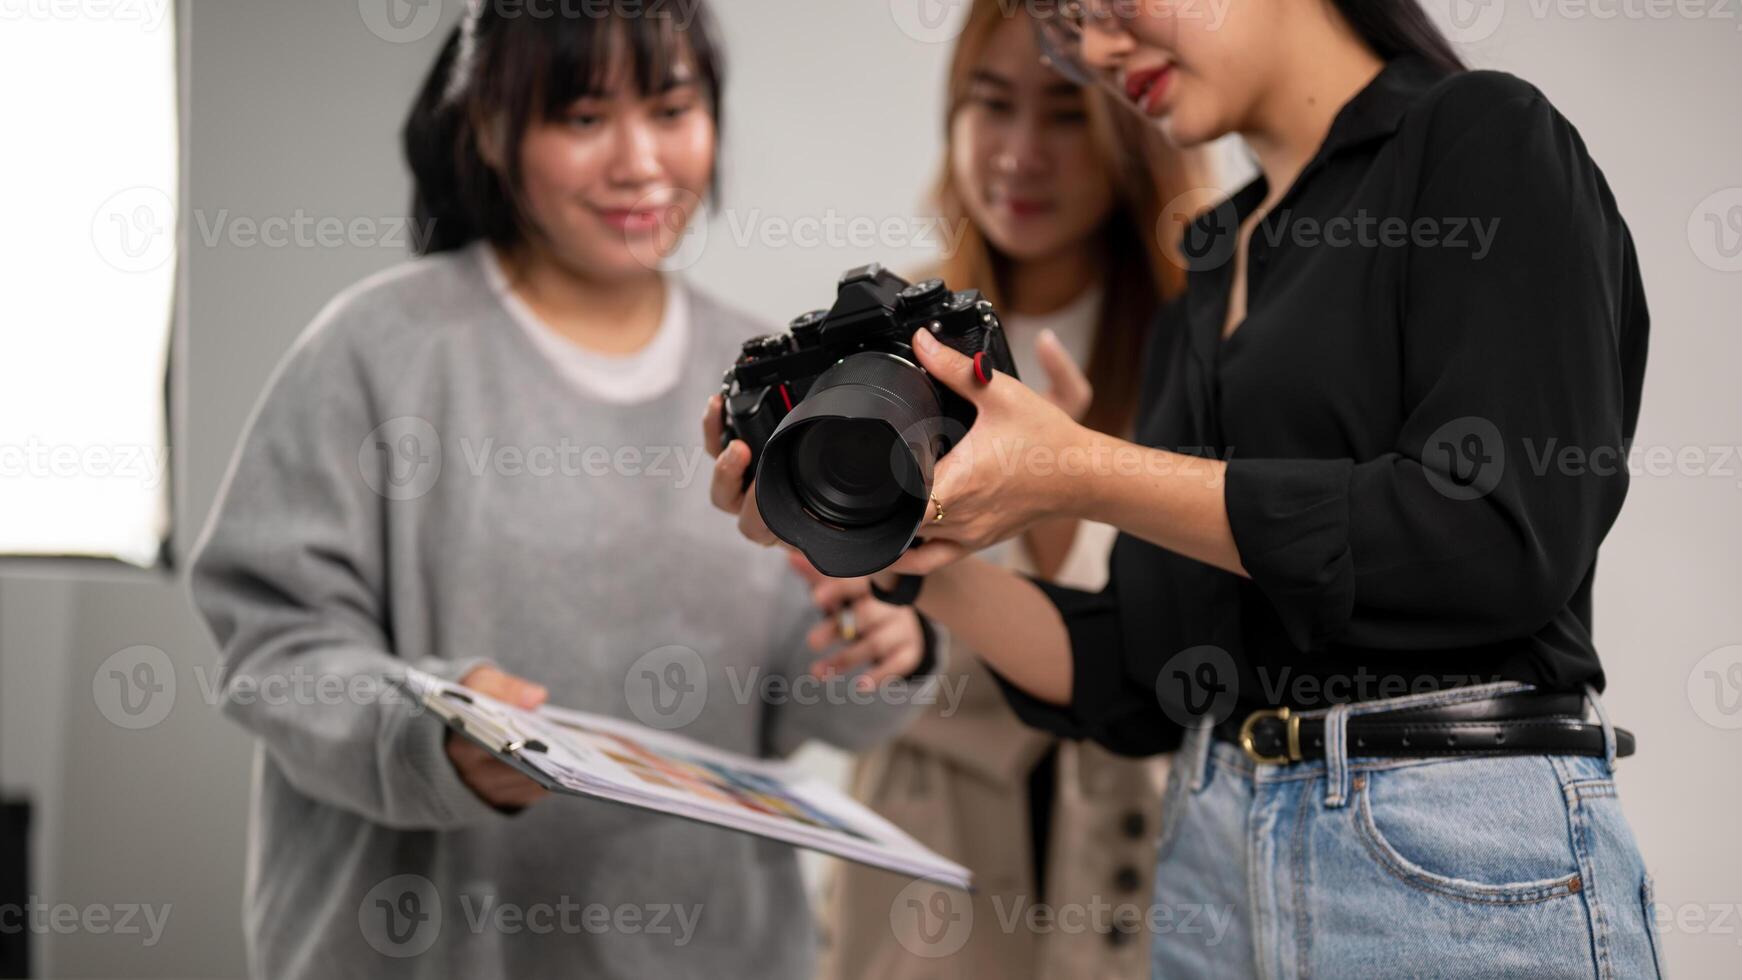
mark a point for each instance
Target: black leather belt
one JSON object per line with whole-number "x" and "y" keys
{"x": 1509, "y": 724}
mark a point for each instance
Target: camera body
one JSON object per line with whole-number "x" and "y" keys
{"x": 843, "y": 425}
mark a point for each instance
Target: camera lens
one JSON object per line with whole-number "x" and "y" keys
{"x": 842, "y": 471}
{"x": 845, "y": 476}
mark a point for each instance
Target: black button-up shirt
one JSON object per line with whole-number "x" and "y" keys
{"x": 1426, "y": 414}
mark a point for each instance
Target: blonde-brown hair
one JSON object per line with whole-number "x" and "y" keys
{"x": 1142, "y": 270}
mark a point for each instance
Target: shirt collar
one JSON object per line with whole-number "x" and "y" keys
{"x": 1375, "y": 112}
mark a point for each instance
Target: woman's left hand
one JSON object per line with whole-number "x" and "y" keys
{"x": 886, "y": 640}
{"x": 1015, "y": 466}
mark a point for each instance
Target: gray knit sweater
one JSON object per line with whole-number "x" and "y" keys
{"x": 420, "y": 485}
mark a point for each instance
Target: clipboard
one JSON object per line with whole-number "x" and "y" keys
{"x": 598, "y": 757}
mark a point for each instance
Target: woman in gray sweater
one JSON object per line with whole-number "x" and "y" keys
{"x": 484, "y": 464}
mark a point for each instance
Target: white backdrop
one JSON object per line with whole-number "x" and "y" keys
{"x": 832, "y": 123}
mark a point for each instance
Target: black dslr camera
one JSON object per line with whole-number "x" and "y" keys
{"x": 843, "y": 424}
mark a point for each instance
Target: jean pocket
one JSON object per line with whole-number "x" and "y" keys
{"x": 1490, "y": 831}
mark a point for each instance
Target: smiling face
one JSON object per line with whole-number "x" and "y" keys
{"x": 611, "y": 182}
{"x": 1022, "y": 154}
{"x": 1195, "y": 67}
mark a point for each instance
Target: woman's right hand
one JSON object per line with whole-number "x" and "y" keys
{"x": 729, "y": 491}
{"x": 496, "y": 782}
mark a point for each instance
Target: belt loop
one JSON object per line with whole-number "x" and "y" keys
{"x": 1337, "y": 756}
{"x": 1200, "y": 740}
{"x": 1608, "y": 729}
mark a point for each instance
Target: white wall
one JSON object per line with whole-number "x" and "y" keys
{"x": 833, "y": 112}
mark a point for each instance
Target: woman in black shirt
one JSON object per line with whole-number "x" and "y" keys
{"x": 1382, "y": 437}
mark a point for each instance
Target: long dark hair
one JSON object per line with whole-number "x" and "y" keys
{"x": 1399, "y": 27}
{"x": 503, "y": 67}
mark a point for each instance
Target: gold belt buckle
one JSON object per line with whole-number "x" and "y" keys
{"x": 1250, "y": 726}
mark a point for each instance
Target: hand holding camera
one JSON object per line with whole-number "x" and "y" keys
{"x": 885, "y": 419}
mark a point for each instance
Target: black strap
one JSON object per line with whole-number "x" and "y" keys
{"x": 905, "y": 593}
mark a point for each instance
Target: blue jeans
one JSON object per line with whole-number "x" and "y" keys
{"x": 1346, "y": 868}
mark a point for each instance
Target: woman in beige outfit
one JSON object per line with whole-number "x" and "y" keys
{"x": 1063, "y": 202}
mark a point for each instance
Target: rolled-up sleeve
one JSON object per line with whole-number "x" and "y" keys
{"x": 1484, "y": 516}
{"x": 1108, "y": 706}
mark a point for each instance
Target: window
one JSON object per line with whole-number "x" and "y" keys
{"x": 90, "y": 185}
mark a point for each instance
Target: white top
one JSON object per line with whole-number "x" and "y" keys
{"x": 1085, "y": 567}
{"x": 1074, "y": 323}
{"x": 621, "y": 379}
